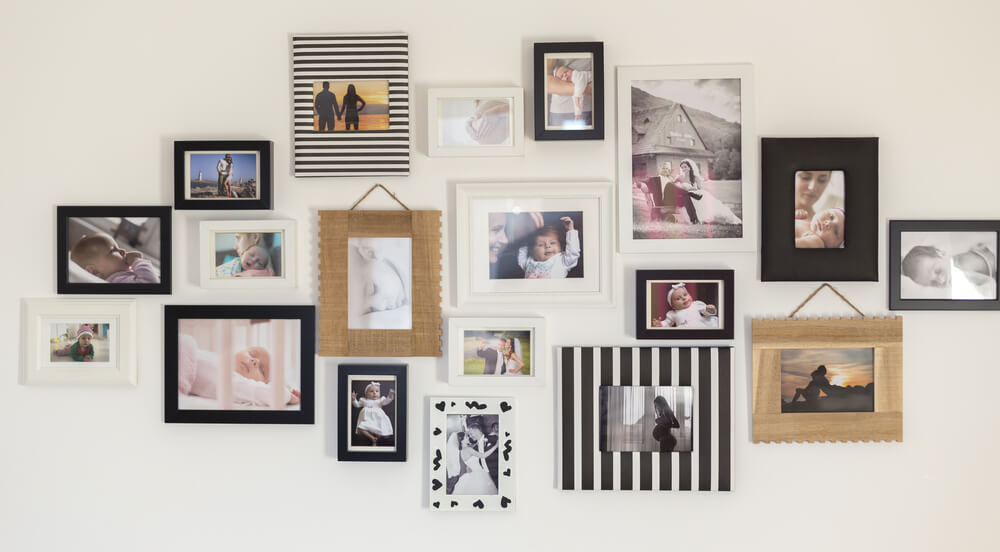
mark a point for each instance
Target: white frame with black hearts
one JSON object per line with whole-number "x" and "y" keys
{"x": 437, "y": 465}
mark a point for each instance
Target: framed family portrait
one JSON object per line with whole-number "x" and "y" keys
{"x": 819, "y": 217}
{"x": 645, "y": 418}
{"x": 828, "y": 379}
{"x": 684, "y": 304}
{"x": 943, "y": 264}
{"x": 569, "y": 90}
{"x": 371, "y": 412}
{"x": 241, "y": 254}
{"x": 243, "y": 364}
{"x": 475, "y": 122}
{"x": 534, "y": 242}
{"x": 686, "y": 147}
{"x": 78, "y": 342}
{"x": 350, "y": 100}
{"x": 472, "y": 448}
{"x": 497, "y": 351}
{"x": 223, "y": 175}
{"x": 121, "y": 250}
{"x": 380, "y": 283}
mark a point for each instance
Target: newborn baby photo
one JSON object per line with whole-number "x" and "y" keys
{"x": 248, "y": 254}
{"x": 379, "y": 284}
{"x": 948, "y": 265}
{"x": 690, "y": 305}
{"x": 113, "y": 250}
{"x": 820, "y": 217}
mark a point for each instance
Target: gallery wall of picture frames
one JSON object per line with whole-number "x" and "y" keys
{"x": 686, "y": 182}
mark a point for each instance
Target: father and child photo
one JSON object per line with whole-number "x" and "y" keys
{"x": 569, "y": 91}
{"x": 113, "y": 250}
{"x": 536, "y": 245}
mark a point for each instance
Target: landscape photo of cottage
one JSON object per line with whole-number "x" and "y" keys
{"x": 686, "y": 159}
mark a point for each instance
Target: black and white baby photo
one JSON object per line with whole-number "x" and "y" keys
{"x": 948, "y": 265}
{"x": 379, "y": 294}
{"x": 473, "y": 454}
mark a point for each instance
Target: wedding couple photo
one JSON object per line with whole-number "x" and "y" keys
{"x": 496, "y": 353}
{"x": 473, "y": 454}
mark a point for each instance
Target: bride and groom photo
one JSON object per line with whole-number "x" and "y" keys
{"x": 472, "y": 454}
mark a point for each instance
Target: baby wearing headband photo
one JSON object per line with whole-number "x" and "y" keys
{"x": 372, "y": 421}
{"x": 686, "y": 311}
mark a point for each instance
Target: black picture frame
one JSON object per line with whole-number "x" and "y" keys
{"x": 896, "y": 230}
{"x": 343, "y": 407}
{"x": 596, "y": 49}
{"x": 66, "y": 212}
{"x": 263, "y": 149}
{"x": 727, "y": 294}
{"x": 857, "y": 261}
{"x": 305, "y": 314}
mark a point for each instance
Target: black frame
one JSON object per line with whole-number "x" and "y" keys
{"x": 897, "y": 227}
{"x": 264, "y": 151}
{"x": 397, "y": 371}
{"x": 65, "y": 212}
{"x": 780, "y": 261}
{"x": 306, "y": 314}
{"x": 596, "y": 49}
{"x": 728, "y": 295}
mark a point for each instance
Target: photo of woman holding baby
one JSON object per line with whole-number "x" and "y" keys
{"x": 572, "y": 76}
{"x": 247, "y": 254}
{"x": 536, "y": 245}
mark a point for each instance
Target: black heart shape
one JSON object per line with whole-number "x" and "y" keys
{"x": 504, "y": 501}
{"x": 479, "y": 504}
{"x": 437, "y": 431}
{"x": 505, "y": 407}
{"x": 437, "y": 505}
{"x": 437, "y": 460}
{"x": 453, "y": 503}
{"x": 507, "y": 472}
{"x": 435, "y": 484}
{"x": 440, "y": 406}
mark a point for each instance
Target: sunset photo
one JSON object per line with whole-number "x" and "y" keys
{"x": 350, "y": 105}
{"x": 828, "y": 380}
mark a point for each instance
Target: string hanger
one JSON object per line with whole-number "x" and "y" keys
{"x": 370, "y": 190}
{"x": 817, "y": 290}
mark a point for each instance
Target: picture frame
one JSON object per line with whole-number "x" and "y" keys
{"x": 489, "y": 271}
{"x": 374, "y": 66}
{"x": 943, "y": 264}
{"x": 232, "y": 175}
{"x": 687, "y": 158}
{"x": 475, "y": 122}
{"x": 564, "y": 124}
{"x": 783, "y": 160}
{"x": 268, "y": 352}
{"x": 706, "y": 423}
{"x": 457, "y": 483}
{"x": 52, "y": 342}
{"x": 468, "y": 363}
{"x": 85, "y": 234}
{"x": 221, "y": 241}
{"x": 881, "y": 418}
{"x": 710, "y": 304}
{"x": 404, "y": 249}
{"x": 351, "y": 439}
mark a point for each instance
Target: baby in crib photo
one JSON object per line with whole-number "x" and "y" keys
{"x": 373, "y": 423}
{"x": 100, "y": 255}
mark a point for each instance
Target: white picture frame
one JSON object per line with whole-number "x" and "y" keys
{"x": 473, "y": 129}
{"x": 748, "y": 182}
{"x": 536, "y": 358}
{"x": 445, "y": 439}
{"x": 209, "y": 229}
{"x": 114, "y": 322}
{"x": 593, "y": 204}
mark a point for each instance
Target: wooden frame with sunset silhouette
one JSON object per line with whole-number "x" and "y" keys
{"x": 884, "y": 335}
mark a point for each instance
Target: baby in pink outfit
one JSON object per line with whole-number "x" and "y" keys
{"x": 100, "y": 255}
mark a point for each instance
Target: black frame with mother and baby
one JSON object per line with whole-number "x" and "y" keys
{"x": 819, "y": 212}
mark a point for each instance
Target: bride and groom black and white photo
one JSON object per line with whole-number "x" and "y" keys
{"x": 472, "y": 455}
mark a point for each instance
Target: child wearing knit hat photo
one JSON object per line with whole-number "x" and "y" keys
{"x": 78, "y": 343}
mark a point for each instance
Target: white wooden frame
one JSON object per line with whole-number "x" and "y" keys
{"x": 289, "y": 244}
{"x": 436, "y": 95}
{"x": 440, "y": 408}
{"x": 599, "y": 279}
{"x": 121, "y": 367}
{"x": 540, "y": 373}
{"x": 749, "y": 158}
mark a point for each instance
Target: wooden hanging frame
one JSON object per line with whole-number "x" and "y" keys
{"x": 882, "y": 334}
{"x": 423, "y": 338}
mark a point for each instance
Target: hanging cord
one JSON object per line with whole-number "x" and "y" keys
{"x": 813, "y": 294}
{"x": 370, "y": 190}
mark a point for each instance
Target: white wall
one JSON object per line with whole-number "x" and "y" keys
{"x": 94, "y": 93}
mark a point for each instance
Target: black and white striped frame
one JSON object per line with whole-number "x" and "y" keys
{"x": 371, "y": 56}
{"x": 582, "y": 465}
{"x": 440, "y": 408}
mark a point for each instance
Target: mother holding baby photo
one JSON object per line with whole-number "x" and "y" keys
{"x": 536, "y": 245}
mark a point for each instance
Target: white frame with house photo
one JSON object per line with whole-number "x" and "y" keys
{"x": 207, "y": 267}
{"x": 695, "y": 149}
{"x": 435, "y": 96}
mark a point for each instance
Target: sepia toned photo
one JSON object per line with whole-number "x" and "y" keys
{"x": 496, "y": 353}
{"x": 350, "y": 105}
{"x": 229, "y": 175}
{"x": 828, "y": 380}
{"x": 820, "y": 214}
{"x": 688, "y": 305}
{"x": 646, "y": 418}
{"x": 951, "y": 265}
{"x": 248, "y": 254}
{"x": 472, "y": 455}
{"x": 379, "y": 284}
{"x": 535, "y": 244}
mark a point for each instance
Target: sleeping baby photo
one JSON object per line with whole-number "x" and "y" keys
{"x": 242, "y": 364}
{"x": 379, "y": 284}
{"x": 113, "y": 250}
{"x": 248, "y": 254}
